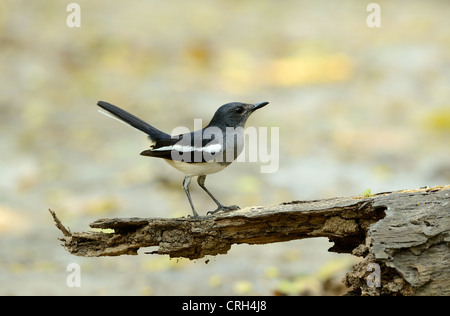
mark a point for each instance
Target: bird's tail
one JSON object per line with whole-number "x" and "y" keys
{"x": 122, "y": 115}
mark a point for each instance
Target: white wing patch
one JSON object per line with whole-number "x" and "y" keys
{"x": 210, "y": 149}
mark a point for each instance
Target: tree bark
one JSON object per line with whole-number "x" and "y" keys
{"x": 402, "y": 236}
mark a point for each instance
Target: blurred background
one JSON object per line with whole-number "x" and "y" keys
{"x": 356, "y": 107}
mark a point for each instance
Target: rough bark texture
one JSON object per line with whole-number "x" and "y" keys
{"x": 405, "y": 234}
{"x": 410, "y": 244}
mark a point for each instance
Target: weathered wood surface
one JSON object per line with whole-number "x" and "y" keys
{"x": 343, "y": 220}
{"x": 406, "y": 233}
{"x": 412, "y": 241}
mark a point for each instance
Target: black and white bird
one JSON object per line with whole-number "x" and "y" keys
{"x": 199, "y": 153}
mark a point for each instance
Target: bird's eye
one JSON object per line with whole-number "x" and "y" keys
{"x": 239, "y": 110}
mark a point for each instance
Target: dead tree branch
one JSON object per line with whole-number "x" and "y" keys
{"x": 406, "y": 233}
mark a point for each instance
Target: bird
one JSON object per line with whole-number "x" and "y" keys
{"x": 198, "y": 153}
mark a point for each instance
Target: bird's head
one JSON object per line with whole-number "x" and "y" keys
{"x": 235, "y": 114}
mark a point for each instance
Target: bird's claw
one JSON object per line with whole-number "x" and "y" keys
{"x": 224, "y": 209}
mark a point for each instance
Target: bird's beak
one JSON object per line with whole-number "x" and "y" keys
{"x": 259, "y": 105}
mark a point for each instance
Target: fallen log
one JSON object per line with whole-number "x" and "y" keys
{"x": 402, "y": 236}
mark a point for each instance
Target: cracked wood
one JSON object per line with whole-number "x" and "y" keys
{"x": 407, "y": 233}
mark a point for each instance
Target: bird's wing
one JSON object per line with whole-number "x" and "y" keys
{"x": 190, "y": 147}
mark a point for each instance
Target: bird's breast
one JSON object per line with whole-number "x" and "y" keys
{"x": 198, "y": 168}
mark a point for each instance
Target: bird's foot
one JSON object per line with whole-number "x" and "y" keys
{"x": 224, "y": 209}
{"x": 194, "y": 216}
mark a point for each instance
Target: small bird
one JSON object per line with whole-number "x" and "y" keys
{"x": 199, "y": 153}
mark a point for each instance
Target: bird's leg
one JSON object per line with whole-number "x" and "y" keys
{"x": 220, "y": 207}
{"x": 186, "y": 183}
